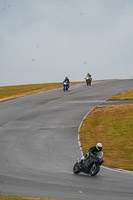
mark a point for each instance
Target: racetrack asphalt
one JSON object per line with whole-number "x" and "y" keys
{"x": 39, "y": 145}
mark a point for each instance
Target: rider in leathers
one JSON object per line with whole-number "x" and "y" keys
{"x": 68, "y": 81}
{"x": 96, "y": 149}
{"x": 92, "y": 151}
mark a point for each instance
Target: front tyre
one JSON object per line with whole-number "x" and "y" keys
{"x": 76, "y": 168}
{"x": 87, "y": 83}
{"x": 95, "y": 168}
{"x": 64, "y": 88}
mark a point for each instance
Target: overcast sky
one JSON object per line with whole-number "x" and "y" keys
{"x": 45, "y": 40}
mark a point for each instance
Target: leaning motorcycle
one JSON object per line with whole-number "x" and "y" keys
{"x": 90, "y": 165}
{"x": 65, "y": 86}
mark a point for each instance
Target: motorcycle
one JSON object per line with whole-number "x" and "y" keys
{"x": 88, "y": 81}
{"x": 89, "y": 165}
{"x": 65, "y": 86}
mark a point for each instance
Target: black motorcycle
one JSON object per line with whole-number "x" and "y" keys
{"x": 90, "y": 165}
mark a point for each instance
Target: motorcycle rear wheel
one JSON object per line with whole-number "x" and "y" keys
{"x": 95, "y": 168}
{"x": 76, "y": 169}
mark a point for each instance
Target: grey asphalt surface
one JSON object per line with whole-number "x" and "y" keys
{"x": 39, "y": 145}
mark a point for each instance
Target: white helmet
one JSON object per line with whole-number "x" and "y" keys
{"x": 99, "y": 146}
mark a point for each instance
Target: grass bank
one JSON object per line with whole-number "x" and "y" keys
{"x": 113, "y": 126}
{"x": 21, "y": 198}
{"x": 127, "y": 95}
{"x": 11, "y": 92}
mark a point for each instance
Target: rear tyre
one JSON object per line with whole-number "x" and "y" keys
{"x": 76, "y": 169}
{"x": 95, "y": 168}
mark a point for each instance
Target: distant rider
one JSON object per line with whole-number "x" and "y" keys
{"x": 67, "y": 80}
{"x": 88, "y": 76}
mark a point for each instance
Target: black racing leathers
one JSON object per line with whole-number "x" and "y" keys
{"x": 93, "y": 151}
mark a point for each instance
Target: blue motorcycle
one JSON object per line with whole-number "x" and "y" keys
{"x": 65, "y": 86}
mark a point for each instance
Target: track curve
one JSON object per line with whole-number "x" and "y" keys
{"x": 39, "y": 145}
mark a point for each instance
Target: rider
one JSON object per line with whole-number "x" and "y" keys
{"x": 88, "y": 76}
{"x": 67, "y": 80}
{"x": 92, "y": 151}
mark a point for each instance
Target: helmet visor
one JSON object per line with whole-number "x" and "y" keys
{"x": 100, "y": 148}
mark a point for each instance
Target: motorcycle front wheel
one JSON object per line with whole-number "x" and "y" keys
{"x": 76, "y": 168}
{"x": 95, "y": 168}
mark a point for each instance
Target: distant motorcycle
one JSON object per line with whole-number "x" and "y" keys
{"x": 88, "y": 81}
{"x": 65, "y": 86}
{"x": 90, "y": 165}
